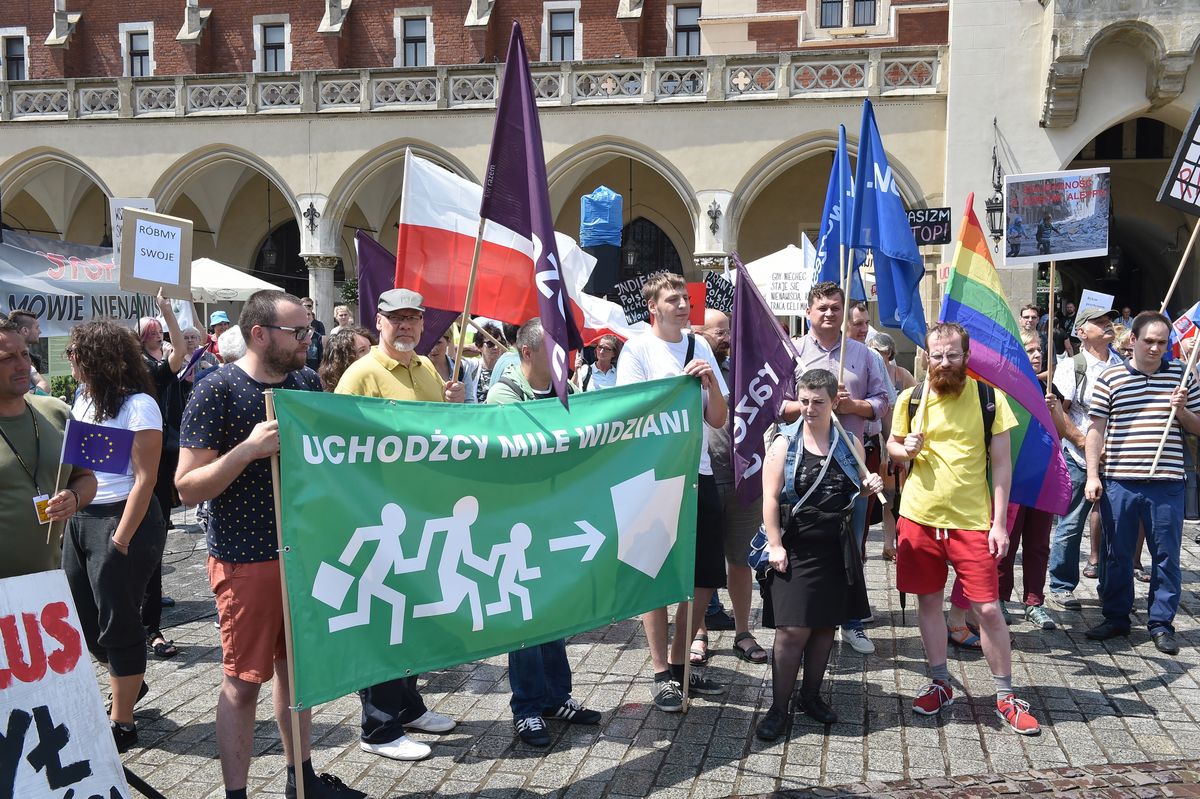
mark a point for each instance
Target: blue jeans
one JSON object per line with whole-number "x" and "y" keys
{"x": 1157, "y": 505}
{"x": 858, "y": 524}
{"x": 540, "y": 678}
{"x": 1064, "y": 544}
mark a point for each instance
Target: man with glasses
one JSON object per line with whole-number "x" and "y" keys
{"x": 225, "y": 447}
{"x": 863, "y": 395}
{"x": 393, "y": 370}
{"x": 948, "y": 516}
{"x": 1076, "y": 380}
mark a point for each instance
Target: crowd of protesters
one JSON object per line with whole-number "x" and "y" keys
{"x": 937, "y": 446}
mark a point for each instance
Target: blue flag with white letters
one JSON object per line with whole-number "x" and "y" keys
{"x": 835, "y": 224}
{"x": 879, "y": 224}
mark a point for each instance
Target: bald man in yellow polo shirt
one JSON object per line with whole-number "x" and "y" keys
{"x": 393, "y": 370}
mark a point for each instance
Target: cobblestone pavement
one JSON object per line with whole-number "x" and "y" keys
{"x": 1117, "y": 702}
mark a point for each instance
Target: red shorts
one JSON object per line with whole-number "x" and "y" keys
{"x": 922, "y": 555}
{"x": 250, "y": 610}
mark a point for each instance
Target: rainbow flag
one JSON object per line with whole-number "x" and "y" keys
{"x": 976, "y": 301}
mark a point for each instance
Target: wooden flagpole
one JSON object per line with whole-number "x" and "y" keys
{"x": 289, "y": 646}
{"x": 845, "y": 312}
{"x": 1187, "y": 251}
{"x": 862, "y": 467}
{"x": 466, "y": 314}
{"x": 1051, "y": 355}
{"x": 1187, "y": 375}
{"x": 687, "y": 660}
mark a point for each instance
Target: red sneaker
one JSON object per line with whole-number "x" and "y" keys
{"x": 1015, "y": 713}
{"x": 936, "y": 696}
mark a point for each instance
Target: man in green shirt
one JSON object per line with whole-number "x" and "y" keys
{"x": 31, "y": 434}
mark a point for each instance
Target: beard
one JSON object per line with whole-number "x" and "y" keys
{"x": 948, "y": 380}
{"x": 283, "y": 359}
{"x": 404, "y": 346}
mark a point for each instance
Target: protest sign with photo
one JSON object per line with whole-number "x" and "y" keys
{"x": 1056, "y": 216}
{"x": 433, "y": 560}
{"x": 57, "y": 740}
{"x": 157, "y": 253}
{"x": 1181, "y": 186}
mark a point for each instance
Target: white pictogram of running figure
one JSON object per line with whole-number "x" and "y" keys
{"x": 388, "y": 558}
{"x": 514, "y": 569}
{"x": 457, "y": 548}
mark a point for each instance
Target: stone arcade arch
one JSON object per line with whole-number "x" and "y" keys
{"x": 50, "y": 193}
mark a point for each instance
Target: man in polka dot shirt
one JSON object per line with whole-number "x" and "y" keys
{"x": 225, "y": 447}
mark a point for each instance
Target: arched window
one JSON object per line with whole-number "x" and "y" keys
{"x": 646, "y": 248}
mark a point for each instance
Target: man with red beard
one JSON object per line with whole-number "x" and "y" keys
{"x": 946, "y": 514}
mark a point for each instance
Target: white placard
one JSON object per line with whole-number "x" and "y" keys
{"x": 116, "y": 215}
{"x": 157, "y": 254}
{"x": 57, "y": 737}
{"x": 1091, "y": 298}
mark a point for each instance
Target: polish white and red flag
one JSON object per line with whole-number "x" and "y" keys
{"x": 439, "y": 217}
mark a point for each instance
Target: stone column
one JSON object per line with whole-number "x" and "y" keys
{"x": 320, "y": 285}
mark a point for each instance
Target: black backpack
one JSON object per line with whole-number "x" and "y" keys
{"x": 987, "y": 407}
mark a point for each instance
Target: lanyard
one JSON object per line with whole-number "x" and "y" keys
{"x": 37, "y": 450}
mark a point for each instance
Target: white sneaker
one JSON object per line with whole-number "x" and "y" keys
{"x": 432, "y": 722}
{"x": 858, "y": 641}
{"x": 403, "y": 748}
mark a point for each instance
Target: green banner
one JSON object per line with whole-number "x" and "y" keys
{"x": 419, "y": 536}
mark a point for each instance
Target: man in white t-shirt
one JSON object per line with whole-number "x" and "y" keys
{"x": 1075, "y": 378}
{"x": 666, "y": 351}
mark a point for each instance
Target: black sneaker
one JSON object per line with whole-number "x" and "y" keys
{"x": 718, "y": 621}
{"x": 533, "y": 731}
{"x": 1165, "y": 642}
{"x": 325, "y": 786}
{"x": 667, "y": 696}
{"x": 1106, "y": 630}
{"x": 699, "y": 685}
{"x": 573, "y": 712}
{"x": 124, "y": 735}
{"x": 772, "y": 725}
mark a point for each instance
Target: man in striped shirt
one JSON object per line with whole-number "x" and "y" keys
{"x": 1129, "y": 410}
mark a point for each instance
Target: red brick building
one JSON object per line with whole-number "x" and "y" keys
{"x": 49, "y": 39}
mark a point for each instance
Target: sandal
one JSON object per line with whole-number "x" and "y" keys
{"x": 163, "y": 649}
{"x": 1141, "y": 575}
{"x": 963, "y": 637}
{"x": 1090, "y": 571}
{"x": 753, "y": 654}
{"x": 699, "y": 650}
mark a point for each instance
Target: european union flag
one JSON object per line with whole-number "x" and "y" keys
{"x": 834, "y": 240}
{"x": 96, "y": 447}
{"x": 880, "y": 224}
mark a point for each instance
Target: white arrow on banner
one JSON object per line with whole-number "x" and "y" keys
{"x": 590, "y": 538}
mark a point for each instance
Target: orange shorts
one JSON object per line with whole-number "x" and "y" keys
{"x": 922, "y": 554}
{"x": 250, "y": 610}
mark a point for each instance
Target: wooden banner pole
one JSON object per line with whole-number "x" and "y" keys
{"x": 845, "y": 274}
{"x": 687, "y": 663}
{"x": 466, "y": 314}
{"x": 1187, "y": 375}
{"x": 1051, "y": 355}
{"x": 863, "y": 473}
{"x": 289, "y": 646}
{"x": 1187, "y": 251}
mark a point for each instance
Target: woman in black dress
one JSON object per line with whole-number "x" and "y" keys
{"x": 815, "y": 579}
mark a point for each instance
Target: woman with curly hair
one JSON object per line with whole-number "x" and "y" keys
{"x": 114, "y": 545}
{"x": 343, "y": 348}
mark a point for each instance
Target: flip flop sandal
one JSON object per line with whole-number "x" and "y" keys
{"x": 963, "y": 637}
{"x": 699, "y": 649}
{"x": 1090, "y": 571}
{"x": 754, "y": 654}
{"x": 1141, "y": 575}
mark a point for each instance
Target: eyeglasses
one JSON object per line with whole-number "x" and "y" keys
{"x": 606, "y": 347}
{"x": 948, "y": 357}
{"x": 491, "y": 345}
{"x": 406, "y": 319}
{"x": 300, "y": 333}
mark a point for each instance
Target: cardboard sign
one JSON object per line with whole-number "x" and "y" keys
{"x": 156, "y": 251}
{"x": 1056, "y": 216}
{"x": 629, "y": 294}
{"x": 116, "y": 216}
{"x": 718, "y": 293}
{"x": 930, "y": 225}
{"x": 1181, "y": 186}
{"x": 57, "y": 741}
{"x": 1089, "y": 298}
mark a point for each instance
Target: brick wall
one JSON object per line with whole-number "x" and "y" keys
{"x": 771, "y": 37}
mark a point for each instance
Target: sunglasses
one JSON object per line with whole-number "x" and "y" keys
{"x": 491, "y": 345}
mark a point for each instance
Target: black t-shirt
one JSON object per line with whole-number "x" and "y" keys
{"x": 221, "y": 413}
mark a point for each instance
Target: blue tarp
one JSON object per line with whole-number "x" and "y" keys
{"x": 600, "y": 218}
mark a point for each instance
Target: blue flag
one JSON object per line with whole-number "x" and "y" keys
{"x": 835, "y": 222}
{"x": 879, "y": 224}
{"x": 96, "y": 447}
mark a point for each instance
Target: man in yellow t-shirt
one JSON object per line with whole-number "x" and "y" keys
{"x": 947, "y": 516}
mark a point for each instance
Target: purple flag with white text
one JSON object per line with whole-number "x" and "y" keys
{"x": 761, "y": 379}
{"x": 516, "y": 196}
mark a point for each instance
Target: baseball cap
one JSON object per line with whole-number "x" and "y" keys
{"x": 1092, "y": 313}
{"x": 399, "y": 300}
{"x": 218, "y": 317}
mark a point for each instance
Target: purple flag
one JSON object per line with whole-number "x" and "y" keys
{"x": 96, "y": 447}
{"x": 760, "y": 380}
{"x": 376, "y": 269}
{"x": 515, "y": 196}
